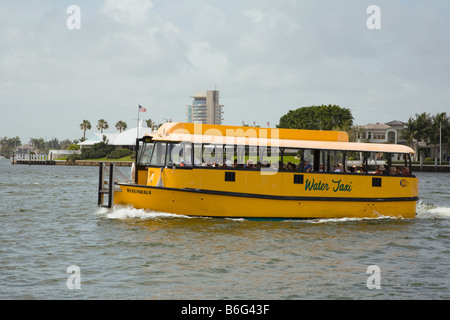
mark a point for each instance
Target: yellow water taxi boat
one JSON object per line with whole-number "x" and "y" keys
{"x": 249, "y": 172}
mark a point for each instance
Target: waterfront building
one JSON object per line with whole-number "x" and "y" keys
{"x": 389, "y": 132}
{"x": 205, "y": 108}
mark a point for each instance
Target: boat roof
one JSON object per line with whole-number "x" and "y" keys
{"x": 274, "y": 137}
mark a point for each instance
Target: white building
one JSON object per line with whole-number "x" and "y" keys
{"x": 126, "y": 138}
{"x": 205, "y": 108}
{"x": 389, "y": 132}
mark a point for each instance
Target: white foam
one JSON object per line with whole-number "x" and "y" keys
{"x": 334, "y": 220}
{"x": 123, "y": 213}
{"x": 427, "y": 211}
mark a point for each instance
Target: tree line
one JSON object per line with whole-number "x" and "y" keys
{"x": 431, "y": 130}
{"x": 102, "y": 124}
{"x": 40, "y": 145}
{"x": 10, "y": 145}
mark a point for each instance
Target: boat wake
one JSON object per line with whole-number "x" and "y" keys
{"x": 424, "y": 211}
{"x": 430, "y": 211}
{"x": 124, "y": 213}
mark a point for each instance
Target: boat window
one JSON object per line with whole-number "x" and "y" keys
{"x": 269, "y": 156}
{"x": 337, "y": 161}
{"x": 292, "y": 159}
{"x": 212, "y": 155}
{"x": 198, "y": 150}
{"x": 179, "y": 154}
{"x": 159, "y": 154}
{"x": 145, "y": 153}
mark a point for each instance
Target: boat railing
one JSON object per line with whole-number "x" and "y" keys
{"x": 108, "y": 178}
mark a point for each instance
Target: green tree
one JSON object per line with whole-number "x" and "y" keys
{"x": 9, "y": 145}
{"x": 102, "y": 125}
{"x": 152, "y": 124}
{"x": 317, "y": 118}
{"x": 53, "y": 144}
{"x": 410, "y": 133}
{"x": 423, "y": 126}
{"x": 97, "y": 151}
{"x": 38, "y": 144}
{"x": 85, "y": 125}
{"x": 120, "y": 125}
{"x": 440, "y": 130}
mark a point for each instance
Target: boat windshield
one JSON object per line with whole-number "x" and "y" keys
{"x": 145, "y": 154}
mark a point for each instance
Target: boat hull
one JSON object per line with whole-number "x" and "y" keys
{"x": 196, "y": 202}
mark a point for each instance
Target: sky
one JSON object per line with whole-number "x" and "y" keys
{"x": 265, "y": 57}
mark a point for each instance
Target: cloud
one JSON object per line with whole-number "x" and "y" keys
{"x": 265, "y": 57}
{"x": 131, "y": 12}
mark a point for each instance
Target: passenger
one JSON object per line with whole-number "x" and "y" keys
{"x": 337, "y": 167}
{"x": 379, "y": 170}
{"x": 249, "y": 164}
{"x": 406, "y": 172}
{"x": 321, "y": 169}
{"x": 290, "y": 166}
{"x": 307, "y": 167}
{"x": 207, "y": 163}
{"x": 393, "y": 171}
{"x": 235, "y": 163}
{"x": 362, "y": 169}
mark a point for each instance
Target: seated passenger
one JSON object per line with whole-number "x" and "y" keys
{"x": 207, "y": 163}
{"x": 337, "y": 168}
{"x": 307, "y": 167}
{"x": 290, "y": 166}
{"x": 406, "y": 172}
{"x": 249, "y": 164}
{"x": 393, "y": 171}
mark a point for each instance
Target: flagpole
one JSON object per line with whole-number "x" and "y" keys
{"x": 137, "y": 128}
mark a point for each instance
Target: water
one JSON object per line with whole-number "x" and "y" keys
{"x": 50, "y": 221}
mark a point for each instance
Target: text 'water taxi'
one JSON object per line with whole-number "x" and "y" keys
{"x": 247, "y": 172}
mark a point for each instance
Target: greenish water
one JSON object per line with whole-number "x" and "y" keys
{"x": 50, "y": 221}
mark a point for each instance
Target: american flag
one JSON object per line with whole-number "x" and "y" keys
{"x": 142, "y": 109}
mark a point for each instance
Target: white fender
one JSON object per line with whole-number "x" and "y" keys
{"x": 133, "y": 172}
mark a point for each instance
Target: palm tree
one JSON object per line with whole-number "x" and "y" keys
{"x": 152, "y": 124}
{"x": 121, "y": 126}
{"x": 440, "y": 129}
{"x": 410, "y": 132}
{"x": 102, "y": 125}
{"x": 38, "y": 144}
{"x": 85, "y": 125}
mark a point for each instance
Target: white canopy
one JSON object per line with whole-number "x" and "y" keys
{"x": 126, "y": 138}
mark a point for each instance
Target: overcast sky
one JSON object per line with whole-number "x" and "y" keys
{"x": 265, "y": 57}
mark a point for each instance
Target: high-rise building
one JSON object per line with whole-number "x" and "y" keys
{"x": 205, "y": 108}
